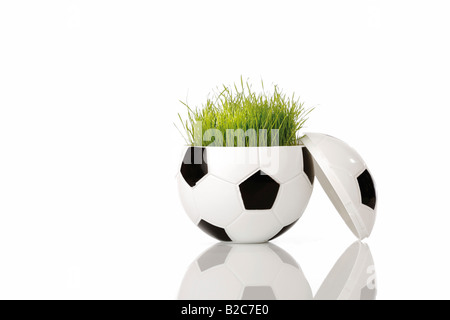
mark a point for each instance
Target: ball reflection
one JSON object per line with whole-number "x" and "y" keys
{"x": 266, "y": 272}
{"x": 245, "y": 272}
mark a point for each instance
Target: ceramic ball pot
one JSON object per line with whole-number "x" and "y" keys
{"x": 245, "y": 194}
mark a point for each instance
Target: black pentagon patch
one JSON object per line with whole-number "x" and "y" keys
{"x": 259, "y": 191}
{"x": 283, "y": 230}
{"x": 215, "y": 256}
{"x": 214, "y": 231}
{"x": 367, "y": 189}
{"x": 194, "y": 165}
{"x": 258, "y": 293}
{"x": 308, "y": 165}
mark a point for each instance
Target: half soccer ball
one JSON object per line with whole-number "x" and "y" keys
{"x": 245, "y": 194}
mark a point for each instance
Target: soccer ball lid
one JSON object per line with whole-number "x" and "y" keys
{"x": 346, "y": 180}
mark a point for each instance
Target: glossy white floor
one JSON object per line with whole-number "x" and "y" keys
{"x": 88, "y": 151}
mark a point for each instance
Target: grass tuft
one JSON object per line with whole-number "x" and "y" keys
{"x": 239, "y": 107}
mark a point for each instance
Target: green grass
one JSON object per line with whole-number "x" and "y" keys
{"x": 239, "y": 107}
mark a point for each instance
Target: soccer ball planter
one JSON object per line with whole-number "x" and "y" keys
{"x": 255, "y": 194}
{"x": 245, "y": 194}
{"x": 253, "y": 190}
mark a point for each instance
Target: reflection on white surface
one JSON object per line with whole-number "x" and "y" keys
{"x": 352, "y": 276}
{"x": 267, "y": 272}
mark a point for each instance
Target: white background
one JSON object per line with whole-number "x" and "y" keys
{"x": 89, "y": 92}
